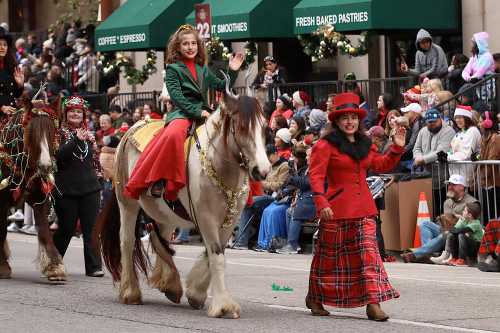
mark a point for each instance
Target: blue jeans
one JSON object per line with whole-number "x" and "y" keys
{"x": 246, "y": 231}
{"x": 183, "y": 234}
{"x": 428, "y": 231}
{"x": 293, "y": 228}
{"x": 434, "y": 245}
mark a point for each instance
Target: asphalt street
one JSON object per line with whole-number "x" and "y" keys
{"x": 433, "y": 298}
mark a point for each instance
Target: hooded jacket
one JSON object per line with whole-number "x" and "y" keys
{"x": 481, "y": 64}
{"x": 433, "y": 62}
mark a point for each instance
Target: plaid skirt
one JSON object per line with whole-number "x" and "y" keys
{"x": 490, "y": 243}
{"x": 347, "y": 270}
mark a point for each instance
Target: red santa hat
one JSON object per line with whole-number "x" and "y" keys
{"x": 464, "y": 111}
{"x": 301, "y": 97}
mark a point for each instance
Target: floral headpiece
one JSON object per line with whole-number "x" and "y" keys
{"x": 74, "y": 102}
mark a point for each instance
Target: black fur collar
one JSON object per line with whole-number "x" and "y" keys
{"x": 358, "y": 150}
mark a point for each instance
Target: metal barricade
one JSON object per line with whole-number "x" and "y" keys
{"x": 127, "y": 101}
{"x": 483, "y": 180}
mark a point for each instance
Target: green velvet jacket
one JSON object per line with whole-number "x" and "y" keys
{"x": 188, "y": 95}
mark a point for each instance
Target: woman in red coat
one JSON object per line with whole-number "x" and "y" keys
{"x": 347, "y": 270}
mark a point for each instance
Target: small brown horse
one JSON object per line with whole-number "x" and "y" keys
{"x": 27, "y": 145}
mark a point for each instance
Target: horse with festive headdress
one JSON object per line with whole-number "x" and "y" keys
{"x": 27, "y": 166}
{"x": 227, "y": 150}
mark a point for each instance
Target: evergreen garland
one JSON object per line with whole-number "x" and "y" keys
{"x": 126, "y": 65}
{"x": 325, "y": 43}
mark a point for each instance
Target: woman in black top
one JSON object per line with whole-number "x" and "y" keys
{"x": 11, "y": 77}
{"x": 77, "y": 180}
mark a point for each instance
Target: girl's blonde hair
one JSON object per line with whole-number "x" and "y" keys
{"x": 436, "y": 85}
{"x": 174, "y": 43}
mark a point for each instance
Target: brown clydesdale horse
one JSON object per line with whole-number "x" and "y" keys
{"x": 27, "y": 145}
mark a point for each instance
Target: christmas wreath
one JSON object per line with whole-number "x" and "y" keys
{"x": 325, "y": 43}
{"x": 217, "y": 51}
{"x": 125, "y": 64}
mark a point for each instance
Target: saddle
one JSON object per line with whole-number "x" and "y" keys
{"x": 143, "y": 135}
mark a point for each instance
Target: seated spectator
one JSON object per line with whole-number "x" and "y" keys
{"x": 413, "y": 121}
{"x": 271, "y": 185}
{"x": 489, "y": 175}
{"x": 432, "y": 139}
{"x": 496, "y": 57}
{"x": 297, "y": 129}
{"x": 283, "y": 108}
{"x": 117, "y": 117}
{"x": 302, "y": 208}
{"x": 277, "y": 123}
{"x": 462, "y": 241}
{"x": 273, "y": 225}
{"x": 283, "y": 143}
{"x": 481, "y": 63}
{"x": 465, "y": 144}
{"x": 106, "y": 131}
{"x": 150, "y": 112}
{"x": 430, "y": 59}
{"x": 489, "y": 250}
{"x": 429, "y": 96}
{"x": 137, "y": 115}
{"x": 300, "y": 102}
{"x": 431, "y": 233}
{"x": 317, "y": 121}
{"x": 390, "y": 124}
{"x": 455, "y": 79}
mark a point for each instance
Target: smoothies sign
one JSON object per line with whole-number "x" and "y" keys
{"x": 203, "y": 20}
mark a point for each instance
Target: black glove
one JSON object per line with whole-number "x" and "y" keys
{"x": 475, "y": 157}
{"x": 442, "y": 157}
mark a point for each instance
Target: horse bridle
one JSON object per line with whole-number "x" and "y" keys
{"x": 239, "y": 157}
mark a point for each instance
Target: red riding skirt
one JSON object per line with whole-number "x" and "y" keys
{"x": 163, "y": 159}
{"x": 347, "y": 270}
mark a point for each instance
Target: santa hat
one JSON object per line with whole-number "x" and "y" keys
{"x": 301, "y": 97}
{"x": 464, "y": 111}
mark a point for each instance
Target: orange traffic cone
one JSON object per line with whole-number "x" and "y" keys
{"x": 422, "y": 215}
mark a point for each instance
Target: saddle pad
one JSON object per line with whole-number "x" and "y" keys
{"x": 145, "y": 133}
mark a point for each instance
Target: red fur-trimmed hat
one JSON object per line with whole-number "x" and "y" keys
{"x": 346, "y": 103}
{"x": 301, "y": 97}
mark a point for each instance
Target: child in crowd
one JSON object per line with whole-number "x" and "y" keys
{"x": 463, "y": 240}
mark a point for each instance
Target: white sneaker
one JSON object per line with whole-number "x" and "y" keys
{"x": 29, "y": 229}
{"x": 13, "y": 227}
{"x": 443, "y": 257}
{"x": 17, "y": 216}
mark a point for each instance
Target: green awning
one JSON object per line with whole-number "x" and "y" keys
{"x": 353, "y": 15}
{"x": 142, "y": 24}
{"x": 244, "y": 19}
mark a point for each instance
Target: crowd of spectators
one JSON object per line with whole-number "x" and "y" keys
{"x": 282, "y": 203}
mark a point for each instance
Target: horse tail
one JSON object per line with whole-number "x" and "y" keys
{"x": 107, "y": 236}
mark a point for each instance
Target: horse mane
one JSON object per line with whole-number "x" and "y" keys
{"x": 245, "y": 112}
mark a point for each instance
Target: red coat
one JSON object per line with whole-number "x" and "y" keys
{"x": 348, "y": 194}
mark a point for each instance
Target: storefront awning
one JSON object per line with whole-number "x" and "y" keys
{"x": 142, "y": 24}
{"x": 245, "y": 19}
{"x": 354, "y": 15}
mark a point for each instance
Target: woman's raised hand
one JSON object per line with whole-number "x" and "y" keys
{"x": 400, "y": 136}
{"x": 236, "y": 61}
{"x": 19, "y": 77}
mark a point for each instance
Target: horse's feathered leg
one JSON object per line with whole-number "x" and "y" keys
{"x": 130, "y": 292}
{"x": 197, "y": 282}
{"x": 51, "y": 262}
{"x": 215, "y": 240}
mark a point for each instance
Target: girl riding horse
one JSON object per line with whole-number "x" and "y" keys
{"x": 188, "y": 80}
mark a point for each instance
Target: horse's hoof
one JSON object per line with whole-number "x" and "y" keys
{"x": 5, "y": 271}
{"x": 173, "y": 296}
{"x": 229, "y": 310}
{"x": 196, "y": 304}
{"x": 131, "y": 301}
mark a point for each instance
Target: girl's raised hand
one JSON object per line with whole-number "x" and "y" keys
{"x": 235, "y": 61}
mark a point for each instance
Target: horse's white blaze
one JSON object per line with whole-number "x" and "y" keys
{"x": 44, "y": 160}
{"x": 260, "y": 152}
